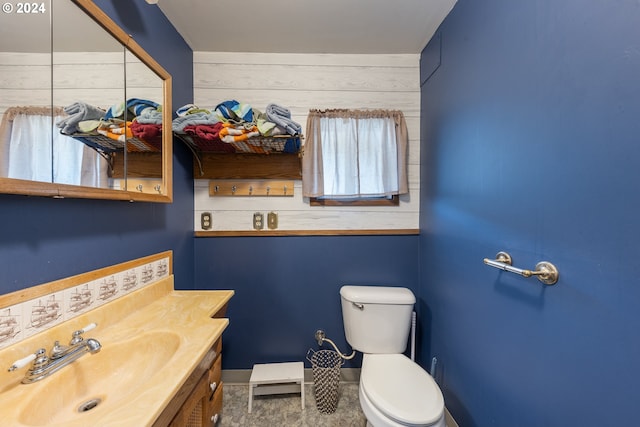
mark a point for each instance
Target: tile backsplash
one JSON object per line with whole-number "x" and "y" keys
{"x": 28, "y": 318}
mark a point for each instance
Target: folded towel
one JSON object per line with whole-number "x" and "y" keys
{"x": 144, "y": 131}
{"x": 115, "y": 111}
{"x": 234, "y": 111}
{"x": 88, "y": 126}
{"x": 150, "y": 117}
{"x": 230, "y": 134}
{"x": 208, "y": 138}
{"x": 281, "y": 116}
{"x": 116, "y": 131}
{"x": 78, "y": 112}
{"x": 179, "y": 123}
{"x": 184, "y": 110}
{"x": 267, "y": 128}
{"x": 208, "y": 132}
{"x": 150, "y": 133}
{"x": 190, "y": 109}
{"x": 135, "y": 106}
{"x": 138, "y": 106}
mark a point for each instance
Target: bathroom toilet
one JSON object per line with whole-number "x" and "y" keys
{"x": 394, "y": 390}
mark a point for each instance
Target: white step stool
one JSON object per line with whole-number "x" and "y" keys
{"x": 276, "y": 378}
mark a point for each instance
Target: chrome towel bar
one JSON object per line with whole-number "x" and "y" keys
{"x": 546, "y": 272}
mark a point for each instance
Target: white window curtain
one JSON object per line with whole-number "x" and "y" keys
{"x": 355, "y": 154}
{"x": 32, "y": 148}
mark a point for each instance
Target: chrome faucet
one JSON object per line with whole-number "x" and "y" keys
{"x": 59, "y": 357}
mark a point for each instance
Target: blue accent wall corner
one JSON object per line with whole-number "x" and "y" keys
{"x": 530, "y": 145}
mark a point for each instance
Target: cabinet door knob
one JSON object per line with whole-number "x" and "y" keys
{"x": 213, "y": 386}
{"x": 214, "y": 419}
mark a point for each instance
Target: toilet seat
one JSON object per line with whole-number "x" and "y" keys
{"x": 401, "y": 390}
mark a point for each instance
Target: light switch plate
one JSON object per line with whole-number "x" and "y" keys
{"x": 272, "y": 220}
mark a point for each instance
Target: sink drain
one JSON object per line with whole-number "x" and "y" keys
{"x": 89, "y": 405}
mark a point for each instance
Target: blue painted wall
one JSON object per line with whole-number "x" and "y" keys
{"x": 44, "y": 239}
{"x": 530, "y": 145}
{"x": 288, "y": 287}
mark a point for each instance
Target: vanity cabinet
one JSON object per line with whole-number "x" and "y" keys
{"x": 198, "y": 403}
{"x": 203, "y": 406}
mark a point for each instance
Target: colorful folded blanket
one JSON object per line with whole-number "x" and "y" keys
{"x": 229, "y": 133}
{"x": 117, "y": 131}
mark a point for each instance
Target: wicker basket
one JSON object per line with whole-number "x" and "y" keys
{"x": 109, "y": 145}
{"x": 326, "y": 378}
{"x": 255, "y": 145}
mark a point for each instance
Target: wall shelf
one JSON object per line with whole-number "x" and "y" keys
{"x": 248, "y": 166}
{"x": 255, "y": 158}
{"x": 139, "y": 165}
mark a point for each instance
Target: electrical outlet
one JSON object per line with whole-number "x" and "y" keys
{"x": 272, "y": 220}
{"x": 258, "y": 221}
{"x": 205, "y": 220}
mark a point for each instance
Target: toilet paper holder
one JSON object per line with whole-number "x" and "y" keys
{"x": 546, "y": 272}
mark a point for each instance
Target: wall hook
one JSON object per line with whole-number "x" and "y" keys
{"x": 252, "y": 188}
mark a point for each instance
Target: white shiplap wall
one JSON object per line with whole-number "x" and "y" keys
{"x": 302, "y": 82}
{"x": 97, "y": 78}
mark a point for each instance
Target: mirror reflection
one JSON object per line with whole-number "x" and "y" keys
{"x": 25, "y": 94}
{"x": 142, "y": 159}
{"x": 87, "y": 78}
{"x": 77, "y": 106}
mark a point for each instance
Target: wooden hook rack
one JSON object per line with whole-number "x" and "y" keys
{"x": 265, "y": 187}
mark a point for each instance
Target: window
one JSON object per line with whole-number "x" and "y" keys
{"x": 355, "y": 157}
{"x": 32, "y": 148}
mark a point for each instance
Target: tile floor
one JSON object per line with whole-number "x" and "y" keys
{"x": 285, "y": 410}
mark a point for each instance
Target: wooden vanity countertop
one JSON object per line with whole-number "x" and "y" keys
{"x": 151, "y": 311}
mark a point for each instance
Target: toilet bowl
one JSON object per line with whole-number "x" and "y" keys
{"x": 397, "y": 392}
{"x": 394, "y": 390}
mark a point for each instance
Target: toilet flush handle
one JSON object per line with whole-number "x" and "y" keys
{"x": 358, "y": 305}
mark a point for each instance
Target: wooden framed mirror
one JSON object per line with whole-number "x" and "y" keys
{"x": 77, "y": 61}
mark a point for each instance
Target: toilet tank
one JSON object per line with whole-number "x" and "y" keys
{"x": 377, "y": 319}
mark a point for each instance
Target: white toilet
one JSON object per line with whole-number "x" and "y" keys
{"x": 394, "y": 390}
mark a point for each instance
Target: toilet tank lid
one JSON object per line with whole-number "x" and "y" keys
{"x": 377, "y": 294}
